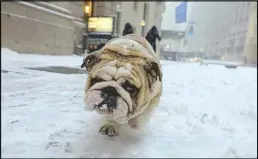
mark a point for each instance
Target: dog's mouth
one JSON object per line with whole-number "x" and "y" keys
{"x": 103, "y": 110}
{"x": 108, "y": 98}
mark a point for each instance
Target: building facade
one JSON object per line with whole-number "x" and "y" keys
{"x": 172, "y": 41}
{"x": 41, "y": 27}
{"x": 220, "y": 29}
{"x": 133, "y": 12}
{"x": 58, "y": 27}
{"x": 250, "y": 52}
{"x": 172, "y": 44}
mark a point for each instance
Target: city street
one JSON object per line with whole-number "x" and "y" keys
{"x": 205, "y": 111}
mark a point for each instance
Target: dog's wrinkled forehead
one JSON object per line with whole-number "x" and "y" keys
{"x": 130, "y": 48}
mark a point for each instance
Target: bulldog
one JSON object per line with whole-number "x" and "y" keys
{"x": 124, "y": 83}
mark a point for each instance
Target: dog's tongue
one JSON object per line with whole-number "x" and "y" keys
{"x": 94, "y": 98}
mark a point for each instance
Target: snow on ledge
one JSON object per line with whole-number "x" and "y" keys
{"x": 56, "y": 7}
{"x": 8, "y": 53}
{"x": 78, "y": 19}
{"x": 217, "y": 62}
{"x": 36, "y": 20}
{"x": 80, "y": 24}
{"x": 45, "y": 9}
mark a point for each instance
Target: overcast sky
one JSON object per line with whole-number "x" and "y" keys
{"x": 168, "y": 22}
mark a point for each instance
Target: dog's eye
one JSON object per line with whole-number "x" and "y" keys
{"x": 129, "y": 87}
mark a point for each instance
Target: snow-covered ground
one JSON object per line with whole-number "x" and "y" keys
{"x": 205, "y": 111}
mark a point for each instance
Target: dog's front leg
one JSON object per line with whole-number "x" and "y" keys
{"x": 140, "y": 120}
{"x": 109, "y": 128}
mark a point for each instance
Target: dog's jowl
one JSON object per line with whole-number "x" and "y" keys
{"x": 124, "y": 83}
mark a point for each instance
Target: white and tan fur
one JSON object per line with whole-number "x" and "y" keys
{"x": 127, "y": 58}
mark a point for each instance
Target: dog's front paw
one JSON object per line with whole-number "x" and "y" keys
{"x": 108, "y": 130}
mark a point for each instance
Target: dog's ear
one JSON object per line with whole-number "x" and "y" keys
{"x": 153, "y": 69}
{"x": 90, "y": 60}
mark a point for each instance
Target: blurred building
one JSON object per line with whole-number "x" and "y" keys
{"x": 251, "y": 36}
{"x": 169, "y": 16}
{"x": 172, "y": 44}
{"x": 141, "y": 15}
{"x": 42, "y": 27}
{"x": 219, "y": 29}
{"x": 57, "y": 27}
{"x": 172, "y": 41}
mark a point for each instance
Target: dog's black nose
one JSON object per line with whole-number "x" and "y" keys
{"x": 109, "y": 95}
{"x": 110, "y": 91}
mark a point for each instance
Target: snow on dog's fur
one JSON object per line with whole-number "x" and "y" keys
{"x": 124, "y": 82}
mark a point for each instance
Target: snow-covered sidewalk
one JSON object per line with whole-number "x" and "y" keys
{"x": 205, "y": 111}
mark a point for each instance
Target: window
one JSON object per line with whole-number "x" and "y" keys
{"x": 231, "y": 42}
{"x": 135, "y": 6}
{"x": 229, "y": 50}
{"x": 246, "y": 9}
{"x": 242, "y": 40}
{"x": 253, "y": 40}
{"x": 237, "y": 16}
{"x": 239, "y": 49}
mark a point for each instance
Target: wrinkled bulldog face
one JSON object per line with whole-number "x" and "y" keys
{"x": 117, "y": 83}
{"x": 112, "y": 89}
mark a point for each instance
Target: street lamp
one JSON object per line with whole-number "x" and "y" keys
{"x": 118, "y": 10}
{"x": 142, "y": 24}
{"x": 118, "y": 7}
{"x": 87, "y": 12}
{"x": 87, "y": 9}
